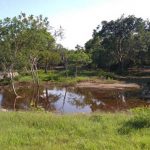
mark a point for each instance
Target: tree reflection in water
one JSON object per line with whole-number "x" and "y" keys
{"x": 70, "y": 99}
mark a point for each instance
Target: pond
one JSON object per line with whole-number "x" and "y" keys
{"x": 70, "y": 99}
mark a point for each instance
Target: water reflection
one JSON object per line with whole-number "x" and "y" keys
{"x": 63, "y": 100}
{"x": 71, "y": 99}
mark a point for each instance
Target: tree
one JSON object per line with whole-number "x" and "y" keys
{"x": 119, "y": 41}
{"x": 50, "y": 59}
{"x": 10, "y": 29}
{"x": 99, "y": 55}
{"x": 24, "y": 37}
{"x": 64, "y": 56}
{"x": 77, "y": 59}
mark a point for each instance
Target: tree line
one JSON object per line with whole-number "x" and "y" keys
{"x": 28, "y": 43}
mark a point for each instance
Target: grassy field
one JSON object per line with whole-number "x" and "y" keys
{"x": 100, "y": 131}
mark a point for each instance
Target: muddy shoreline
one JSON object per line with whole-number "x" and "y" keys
{"x": 95, "y": 84}
{"x": 102, "y": 86}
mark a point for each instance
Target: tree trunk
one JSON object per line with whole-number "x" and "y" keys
{"x": 46, "y": 67}
{"x": 37, "y": 76}
{"x": 122, "y": 66}
{"x": 76, "y": 71}
{"x": 34, "y": 70}
{"x": 32, "y": 73}
{"x": 15, "y": 103}
{"x": 26, "y": 70}
{"x": 66, "y": 68}
{"x": 120, "y": 54}
{"x": 12, "y": 80}
{"x": 37, "y": 97}
{"x": 46, "y": 99}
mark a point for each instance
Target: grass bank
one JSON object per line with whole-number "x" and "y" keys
{"x": 43, "y": 131}
{"x": 60, "y": 77}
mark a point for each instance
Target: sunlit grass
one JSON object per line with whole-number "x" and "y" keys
{"x": 43, "y": 131}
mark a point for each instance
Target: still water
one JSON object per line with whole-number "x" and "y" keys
{"x": 70, "y": 99}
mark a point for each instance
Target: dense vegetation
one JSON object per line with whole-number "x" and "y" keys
{"x": 30, "y": 130}
{"x": 28, "y": 43}
{"x": 120, "y": 44}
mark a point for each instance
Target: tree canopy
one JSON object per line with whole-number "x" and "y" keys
{"x": 122, "y": 42}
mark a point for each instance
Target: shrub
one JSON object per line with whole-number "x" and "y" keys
{"x": 104, "y": 74}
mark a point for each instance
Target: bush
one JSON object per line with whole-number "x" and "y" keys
{"x": 107, "y": 75}
{"x": 4, "y": 81}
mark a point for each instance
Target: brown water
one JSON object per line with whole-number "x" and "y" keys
{"x": 70, "y": 99}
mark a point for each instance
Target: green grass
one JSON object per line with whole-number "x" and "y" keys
{"x": 24, "y": 78}
{"x": 60, "y": 77}
{"x": 53, "y": 76}
{"x": 46, "y": 131}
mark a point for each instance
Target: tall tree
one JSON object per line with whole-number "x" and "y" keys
{"x": 24, "y": 36}
{"x": 121, "y": 41}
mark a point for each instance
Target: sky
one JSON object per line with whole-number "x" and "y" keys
{"x": 78, "y": 18}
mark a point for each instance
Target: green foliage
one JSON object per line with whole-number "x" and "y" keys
{"x": 25, "y": 78}
{"x": 107, "y": 75}
{"x": 79, "y": 58}
{"x": 4, "y": 82}
{"x": 50, "y": 76}
{"x": 60, "y": 76}
{"x": 23, "y": 38}
{"x": 49, "y": 58}
{"x": 119, "y": 44}
{"x": 26, "y": 41}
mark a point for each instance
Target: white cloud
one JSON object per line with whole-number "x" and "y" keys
{"x": 79, "y": 25}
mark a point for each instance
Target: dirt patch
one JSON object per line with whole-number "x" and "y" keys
{"x": 119, "y": 86}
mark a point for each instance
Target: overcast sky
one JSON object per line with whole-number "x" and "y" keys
{"x": 77, "y": 17}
